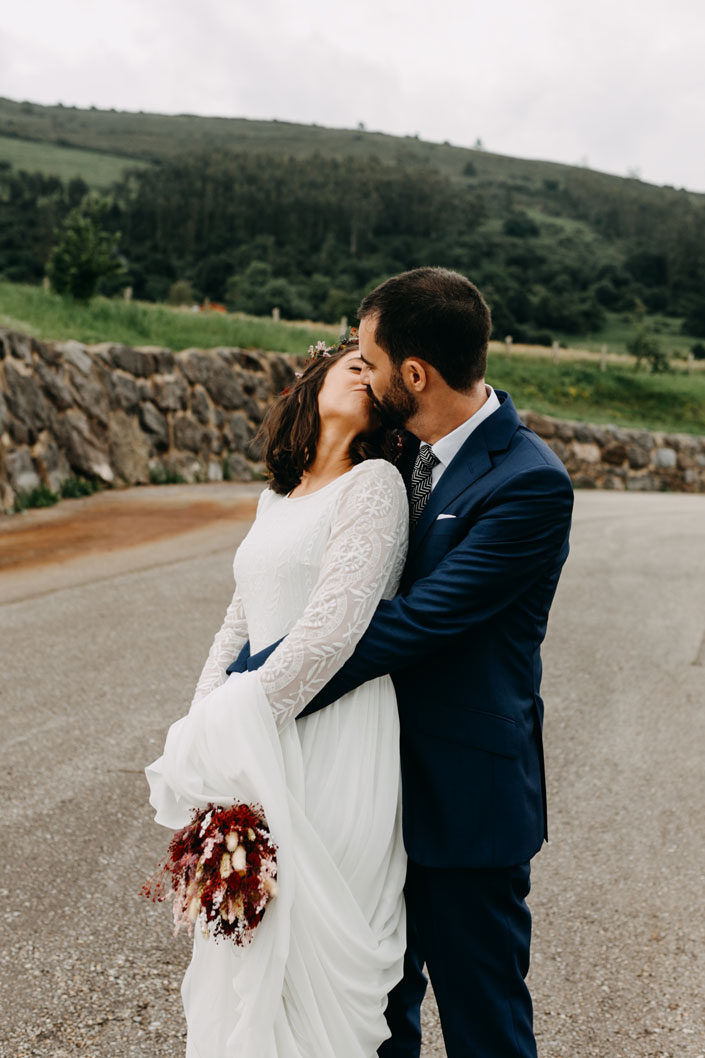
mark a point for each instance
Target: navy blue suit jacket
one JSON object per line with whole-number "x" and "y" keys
{"x": 462, "y": 642}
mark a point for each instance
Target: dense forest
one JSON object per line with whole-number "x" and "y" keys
{"x": 552, "y": 247}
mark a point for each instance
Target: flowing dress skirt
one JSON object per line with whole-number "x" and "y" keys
{"x": 314, "y": 981}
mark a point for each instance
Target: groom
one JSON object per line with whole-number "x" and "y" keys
{"x": 490, "y": 508}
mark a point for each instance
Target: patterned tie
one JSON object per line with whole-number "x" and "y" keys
{"x": 421, "y": 482}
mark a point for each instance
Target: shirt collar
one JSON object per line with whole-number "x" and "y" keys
{"x": 448, "y": 447}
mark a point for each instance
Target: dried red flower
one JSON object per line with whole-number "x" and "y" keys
{"x": 221, "y": 870}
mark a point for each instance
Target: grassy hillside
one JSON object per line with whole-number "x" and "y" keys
{"x": 160, "y": 136}
{"x": 572, "y": 389}
{"x": 619, "y": 329}
{"x": 45, "y": 315}
{"x": 98, "y": 170}
{"x": 153, "y": 137}
{"x": 560, "y": 252}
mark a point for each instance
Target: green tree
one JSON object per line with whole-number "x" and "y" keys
{"x": 180, "y": 293}
{"x": 520, "y": 225}
{"x": 243, "y": 291}
{"x": 84, "y": 252}
{"x": 694, "y": 322}
{"x": 285, "y": 296}
{"x": 644, "y": 346}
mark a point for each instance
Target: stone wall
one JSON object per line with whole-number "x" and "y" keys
{"x": 609, "y": 457}
{"x": 128, "y": 416}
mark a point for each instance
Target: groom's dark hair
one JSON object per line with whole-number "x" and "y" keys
{"x": 438, "y": 316}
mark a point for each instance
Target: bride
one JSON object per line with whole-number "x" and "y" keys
{"x": 328, "y": 542}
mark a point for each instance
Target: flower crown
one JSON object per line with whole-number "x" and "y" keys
{"x": 320, "y": 349}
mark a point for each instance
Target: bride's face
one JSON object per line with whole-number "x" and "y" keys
{"x": 344, "y": 395}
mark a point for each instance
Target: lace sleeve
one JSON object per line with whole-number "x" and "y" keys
{"x": 362, "y": 563}
{"x": 229, "y": 640}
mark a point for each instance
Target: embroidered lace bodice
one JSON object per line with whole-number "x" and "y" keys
{"x": 312, "y": 568}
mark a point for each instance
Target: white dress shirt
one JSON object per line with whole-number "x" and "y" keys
{"x": 449, "y": 446}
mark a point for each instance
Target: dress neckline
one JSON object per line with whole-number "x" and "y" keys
{"x": 317, "y": 492}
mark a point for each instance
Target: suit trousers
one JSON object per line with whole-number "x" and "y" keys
{"x": 472, "y": 930}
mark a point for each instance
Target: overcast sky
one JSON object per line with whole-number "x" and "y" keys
{"x": 615, "y": 84}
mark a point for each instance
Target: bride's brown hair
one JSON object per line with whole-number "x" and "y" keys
{"x": 289, "y": 433}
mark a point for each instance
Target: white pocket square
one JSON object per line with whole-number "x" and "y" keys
{"x": 445, "y": 516}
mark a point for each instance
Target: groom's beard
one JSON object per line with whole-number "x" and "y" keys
{"x": 397, "y": 405}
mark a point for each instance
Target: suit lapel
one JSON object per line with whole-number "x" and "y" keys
{"x": 471, "y": 462}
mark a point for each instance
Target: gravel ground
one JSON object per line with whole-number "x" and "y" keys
{"x": 100, "y": 656}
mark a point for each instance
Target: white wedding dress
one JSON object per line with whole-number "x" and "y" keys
{"x": 314, "y": 981}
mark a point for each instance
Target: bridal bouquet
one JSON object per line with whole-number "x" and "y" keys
{"x": 220, "y": 870}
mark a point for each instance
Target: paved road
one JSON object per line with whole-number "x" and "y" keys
{"x": 99, "y": 656}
